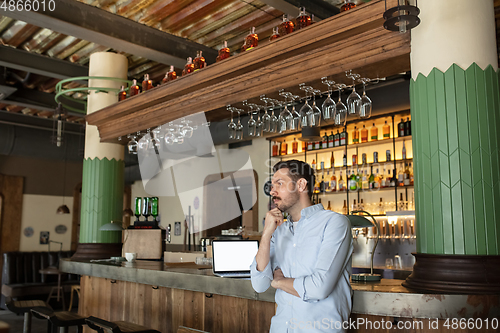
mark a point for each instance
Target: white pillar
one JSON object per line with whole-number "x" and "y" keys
{"x": 106, "y": 64}
{"x": 453, "y": 32}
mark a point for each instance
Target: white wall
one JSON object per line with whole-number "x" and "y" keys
{"x": 39, "y": 212}
{"x": 171, "y": 209}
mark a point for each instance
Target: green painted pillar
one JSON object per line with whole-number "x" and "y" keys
{"x": 103, "y": 167}
{"x": 455, "y": 109}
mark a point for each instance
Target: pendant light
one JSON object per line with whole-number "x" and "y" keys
{"x": 58, "y": 114}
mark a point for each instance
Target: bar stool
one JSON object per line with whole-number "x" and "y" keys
{"x": 103, "y": 326}
{"x": 24, "y": 307}
{"x": 56, "y": 320}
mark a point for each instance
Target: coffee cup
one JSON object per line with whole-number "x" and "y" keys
{"x": 130, "y": 257}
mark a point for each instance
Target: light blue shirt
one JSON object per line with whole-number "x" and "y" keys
{"x": 318, "y": 256}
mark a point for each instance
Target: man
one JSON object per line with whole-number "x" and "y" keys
{"x": 306, "y": 259}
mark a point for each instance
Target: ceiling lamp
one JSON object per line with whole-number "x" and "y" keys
{"x": 403, "y": 17}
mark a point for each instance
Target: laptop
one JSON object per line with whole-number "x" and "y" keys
{"x": 232, "y": 258}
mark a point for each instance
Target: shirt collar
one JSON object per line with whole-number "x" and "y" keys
{"x": 307, "y": 212}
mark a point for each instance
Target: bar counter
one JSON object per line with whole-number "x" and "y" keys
{"x": 385, "y": 298}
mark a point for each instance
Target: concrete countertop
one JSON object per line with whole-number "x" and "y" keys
{"x": 385, "y": 298}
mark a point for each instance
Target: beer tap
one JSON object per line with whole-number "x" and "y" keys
{"x": 412, "y": 229}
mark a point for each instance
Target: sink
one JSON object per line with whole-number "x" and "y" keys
{"x": 182, "y": 256}
{"x": 396, "y": 274}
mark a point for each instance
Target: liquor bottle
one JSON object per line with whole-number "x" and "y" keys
{"x": 147, "y": 83}
{"x": 251, "y": 40}
{"x": 324, "y": 143}
{"x": 171, "y": 75}
{"x": 322, "y": 165}
{"x": 331, "y": 140}
{"x": 406, "y": 175}
{"x": 386, "y": 130}
{"x": 122, "y": 94}
{"x": 332, "y": 161}
{"x": 411, "y": 174}
{"x": 303, "y": 20}
{"x": 364, "y": 181}
{"x": 403, "y": 153}
{"x": 348, "y": 4}
{"x": 333, "y": 182}
{"x": 295, "y": 146}
{"x": 371, "y": 180}
{"x": 134, "y": 89}
{"x": 286, "y": 27}
{"x": 275, "y": 34}
{"x": 275, "y": 149}
{"x": 388, "y": 155}
{"x": 341, "y": 182}
{"x": 355, "y": 135}
{"x": 154, "y": 207}
{"x": 359, "y": 178}
{"x": 393, "y": 178}
{"x": 344, "y": 160}
{"x": 224, "y": 53}
{"x": 343, "y": 138}
{"x": 401, "y": 175}
{"x": 401, "y": 202}
{"x": 364, "y": 134}
{"x": 363, "y": 159}
{"x": 199, "y": 62}
{"x": 353, "y": 184}
{"x": 322, "y": 185}
{"x": 304, "y": 146}
{"x": 381, "y": 209}
{"x": 361, "y": 205}
{"x": 329, "y": 206}
{"x": 383, "y": 180}
{"x": 317, "y": 145}
{"x": 316, "y": 186}
{"x": 377, "y": 180}
{"x": 344, "y": 209}
{"x": 374, "y": 133}
{"x": 375, "y": 157}
{"x": 354, "y": 205}
{"x": 336, "y": 139}
{"x": 401, "y": 128}
{"x": 354, "y": 159}
{"x": 189, "y": 67}
{"x": 309, "y": 145}
{"x": 284, "y": 148}
{"x": 313, "y": 165}
{"x": 327, "y": 183}
{"x": 408, "y": 126}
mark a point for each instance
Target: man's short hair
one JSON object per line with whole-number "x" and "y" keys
{"x": 297, "y": 170}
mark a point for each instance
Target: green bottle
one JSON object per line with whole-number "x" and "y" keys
{"x": 353, "y": 184}
{"x": 371, "y": 180}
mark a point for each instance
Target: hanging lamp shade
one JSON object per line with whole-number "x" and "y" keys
{"x": 403, "y": 17}
{"x": 112, "y": 226}
{"x": 127, "y": 212}
{"x": 63, "y": 209}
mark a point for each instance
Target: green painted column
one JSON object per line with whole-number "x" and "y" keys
{"x": 102, "y": 199}
{"x": 456, "y": 137}
{"x": 455, "y": 111}
{"x": 103, "y": 167}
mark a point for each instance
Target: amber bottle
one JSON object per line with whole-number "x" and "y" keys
{"x": 171, "y": 75}
{"x": 147, "y": 83}
{"x": 189, "y": 67}
{"x": 348, "y": 4}
{"x": 224, "y": 53}
{"x": 251, "y": 40}
{"x": 134, "y": 89}
{"x": 199, "y": 62}
{"x": 303, "y": 20}
{"x": 275, "y": 34}
{"x": 286, "y": 27}
{"x": 122, "y": 94}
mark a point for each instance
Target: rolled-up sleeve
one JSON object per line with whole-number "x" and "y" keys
{"x": 261, "y": 281}
{"x": 334, "y": 252}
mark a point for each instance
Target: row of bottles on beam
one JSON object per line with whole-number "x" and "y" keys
{"x": 359, "y": 178}
{"x": 375, "y": 208}
{"x": 341, "y": 138}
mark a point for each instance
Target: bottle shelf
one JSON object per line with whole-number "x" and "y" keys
{"x": 349, "y": 146}
{"x": 361, "y": 191}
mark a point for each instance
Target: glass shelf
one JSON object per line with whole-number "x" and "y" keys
{"x": 369, "y": 191}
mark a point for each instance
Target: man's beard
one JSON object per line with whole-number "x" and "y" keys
{"x": 285, "y": 205}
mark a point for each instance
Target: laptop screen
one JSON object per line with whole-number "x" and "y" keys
{"x": 233, "y": 255}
